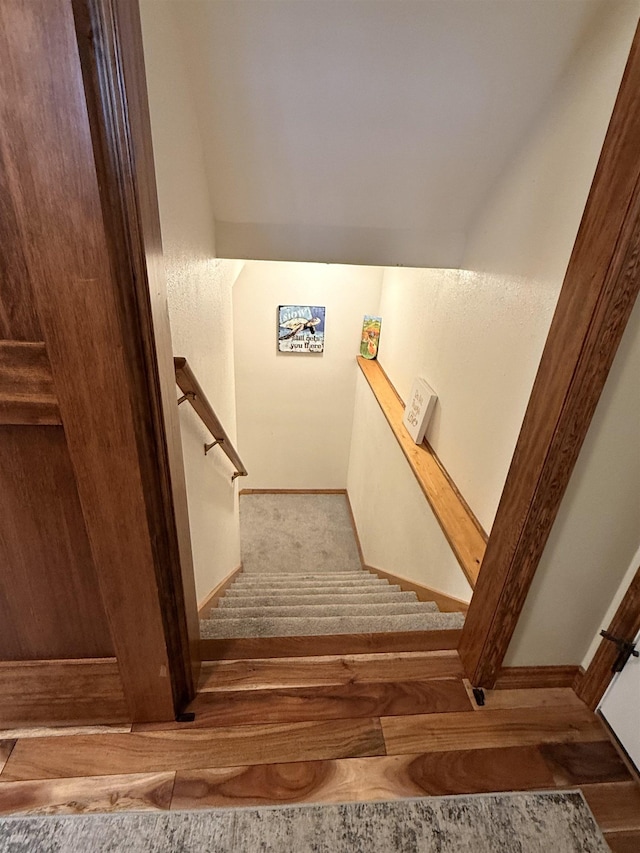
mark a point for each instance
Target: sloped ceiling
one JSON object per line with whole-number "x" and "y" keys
{"x": 366, "y": 131}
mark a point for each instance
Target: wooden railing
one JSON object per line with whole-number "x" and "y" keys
{"x": 466, "y": 537}
{"x": 191, "y": 391}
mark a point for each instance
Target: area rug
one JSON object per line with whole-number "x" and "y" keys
{"x": 514, "y": 823}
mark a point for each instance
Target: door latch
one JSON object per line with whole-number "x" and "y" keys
{"x": 625, "y": 648}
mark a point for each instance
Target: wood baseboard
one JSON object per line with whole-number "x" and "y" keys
{"x": 292, "y": 492}
{"x": 524, "y": 677}
{"x": 329, "y": 644}
{"x": 211, "y": 600}
{"x": 446, "y": 603}
{"x": 78, "y": 692}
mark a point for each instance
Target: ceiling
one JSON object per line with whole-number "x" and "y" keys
{"x": 366, "y": 131}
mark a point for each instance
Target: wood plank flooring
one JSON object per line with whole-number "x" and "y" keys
{"x": 329, "y": 729}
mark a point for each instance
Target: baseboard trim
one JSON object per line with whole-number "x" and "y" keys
{"x": 211, "y": 600}
{"x": 523, "y": 677}
{"x": 292, "y": 492}
{"x": 329, "y": 644}
{"x": 446, "y": 603}
{"x": 81, "y": 692}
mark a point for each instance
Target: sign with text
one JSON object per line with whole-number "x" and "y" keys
{"x": 419, "y": 409}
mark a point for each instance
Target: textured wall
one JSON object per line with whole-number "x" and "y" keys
{"x": 199, "y": 293}
{"x": 398, "y": 531}
{"x": 597, "y": 531}
{"x": 295, "y": 411}
{"x": 477, "y": 342}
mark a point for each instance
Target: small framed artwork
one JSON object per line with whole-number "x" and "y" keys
{"x": 419, "y": 409}
{"x": 370, "y": 336}
{"x": 301, "y": 328}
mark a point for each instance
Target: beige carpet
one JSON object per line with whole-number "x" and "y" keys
{"x": 297, "y": 534}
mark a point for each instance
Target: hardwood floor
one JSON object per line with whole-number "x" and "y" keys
{"x": 329, "y": 729}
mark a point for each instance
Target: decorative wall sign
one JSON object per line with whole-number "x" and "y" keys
{"x": 419, "y": 408}
{"x": 370, "y": 336}
{"x": 300, "y": 328}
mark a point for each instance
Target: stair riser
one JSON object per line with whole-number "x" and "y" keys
{"x": 345, "y": 611}
{"x": 304, "y": 627}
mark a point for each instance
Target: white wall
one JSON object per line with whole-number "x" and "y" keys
{"x": 295, "y": 411}
{"x": 477, "y": 343}
{"x": 477, "y": 335}
{"x": 199, "y": 294}
{"x": 597, "y": 532}
{"x": 397, "y": 529}
{"x": 615, "y": 602}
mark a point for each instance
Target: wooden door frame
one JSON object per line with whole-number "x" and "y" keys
{"x": 109, "y": 38}
{"x": 597, "y": 296}
{"x": 592, "y": 684}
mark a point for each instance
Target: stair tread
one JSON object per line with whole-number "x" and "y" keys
{"x": 311, "y": 590}
{"x": 292, "y": 599}
{"x": 351, "y": 609}
{"x": 290, "y": 626}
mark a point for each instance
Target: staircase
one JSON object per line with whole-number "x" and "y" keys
{"x": 314, "y": 604}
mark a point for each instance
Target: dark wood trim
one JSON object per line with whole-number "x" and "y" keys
{"x": 329, "y": 644}
{"x": 27, "y": 395}
{"x": 460, "y": 527}
{"x": 597, "y": 296}
{"x": 591, "y": 686}
{"x": 446, "y": 603}
{"x": 52, "y": 692}
{"x": 529, "y": 677}
{"x": 111, "y": 53}
{"x": 211, "y": 600}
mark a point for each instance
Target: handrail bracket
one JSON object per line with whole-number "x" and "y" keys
{"x": 208, "y": 447}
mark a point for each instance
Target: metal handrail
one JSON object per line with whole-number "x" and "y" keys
{"x": 191, "y": 391}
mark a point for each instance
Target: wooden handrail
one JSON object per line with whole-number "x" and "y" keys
{"x": 462, "y": 530}
{"x": 191, "y": 390}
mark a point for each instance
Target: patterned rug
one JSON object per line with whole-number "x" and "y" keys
{"x": 489, "y": 823}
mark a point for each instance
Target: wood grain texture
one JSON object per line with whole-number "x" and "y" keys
{"x": 296, "y": 704}
{"x": 329, "y": 644}
{"x": 551, "y": 697}
{"x": 55, "y": 691}
{"x": 584, "y": 763}
{"x": 50, "y": 602}
{"x": 615, "y": 805}
{"x": 101, "y": 794}
{"x": 461, "y": 529}
{"x": 523, "y": 677}
{"x": 63, "y": 730}
{"x": 211, "y": 600}
{"x": 191, "y": 749}
{"x": 591, "y": 686}
{"x": 623, "y": 842}
{"x": 328, "y": 670}
{"x": 5, "y": 751}
{"x": 192, "y": 389}
{"x": 27, "y": 395}
{"x": 446, "y": 603}
{"x": 597, "y": 296}
{"x": 362, "y": 779}
{"x": 109, "y": 43}
{"x": 516, "y": 727}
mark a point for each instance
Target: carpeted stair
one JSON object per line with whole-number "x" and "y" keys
{"x": 291, "y": 605}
